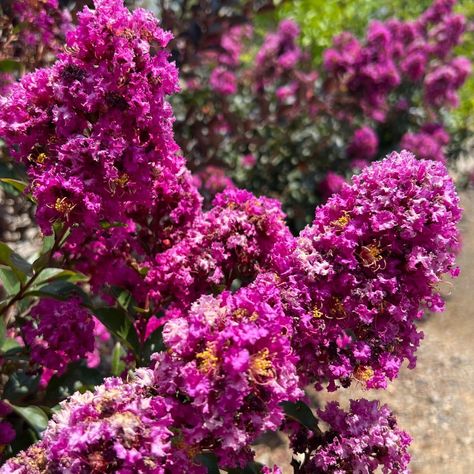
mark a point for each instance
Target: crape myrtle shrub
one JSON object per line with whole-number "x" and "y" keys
{"x": 212, "y": 319}
{"x": 258, "y": 110}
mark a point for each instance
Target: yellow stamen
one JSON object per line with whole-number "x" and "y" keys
{"x": 240, "y": 313}
{"x": 71, "y": 50}
{"x": 149, "y": 463}
{"x": 253, "y": 316}
{"x": 317, "y": 313}
{"x": 122, "y": 180}
{"x": 64, "y": 205}
{"x": 372, "y": 257}
{"x": 363, "y": 373}
{"x": 208, "y": 360}
{"x": 342, "y": 221}
{"x": 40, "y": 158}
{"x": 374, "y": 251}
{"x": 127, "y": 33}
{"x": 260, "y": 364}
{"x": 337, "y": 309}
{"x": 146, "y": 34}
{"x": 35, "y": 458}
{"x": 190, "y": 450}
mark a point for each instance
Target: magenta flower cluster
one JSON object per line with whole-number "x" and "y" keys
{"x": 428, "y": 143}
{"x": 235, "y": 240}
{"x": 280, "y": 48}
{"x": 211, "y": 181}
{"x": 120, "y": 427}
{"x": 223, "y": 81}
{"x": 223, "y": 78}
{"x": 95, "y": 130}
{"x": 231, "y": 361}
{"x": 362, "y": 440}
{"x": 279, "y": 70}
{"x": 374, "y": 254}
{"x": 47, "y": 23}
{"x": 250, "y": 314}
{"x": 363, "y": 146}
{"x": 59, "y": 332}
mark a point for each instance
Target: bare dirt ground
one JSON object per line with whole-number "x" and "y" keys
{"x": 434, "y": 402}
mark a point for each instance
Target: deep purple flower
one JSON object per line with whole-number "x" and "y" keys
{"x": 95, "y": 130}
{"x": 59, "y": 332}
{"x": 372, "y": 258}
{"x": 234, "y": 240}
{"x": 120, "y": 427}
{"x": 7, "y": 433}
{"x": 362, "y": 440}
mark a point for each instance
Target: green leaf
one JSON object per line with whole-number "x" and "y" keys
{"x": 209, "y": 461}
{"x": 20, "y": 385}
{"x": 17, "y": 263}
{"x": 117, "y": 322}
{"x": 15, "y": 183}
{"x": 118, "y": 366}
{"x": 9, "y": 65}
{"x": 46, "y": 252}
{"x": 48, "y": 243}
{"x": 3, "y": 332}
{"x": 48, "y": 275}
{"x": 9, "y": 344}
{"x": 153, "y": 344}
{"x": 10, "y": 281}
{"x": 60, "y": 290}
{"x": 301, "y": 412}
{"x": 58, "y": 237}
{"x": 78, "y": 377}
{"x": 34, "y": 416}
{"x": 124, "y": 297}
{"x": 109, "y": 225}
{"x": 42, "y": 261}
{"x": 26, "y": 436}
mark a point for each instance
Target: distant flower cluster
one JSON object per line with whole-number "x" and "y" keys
{"x": 396, "y": 52}
{"x": 309, "y": 128}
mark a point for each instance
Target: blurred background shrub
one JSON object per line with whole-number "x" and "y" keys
{"x": 290, "y": 111}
